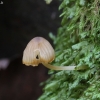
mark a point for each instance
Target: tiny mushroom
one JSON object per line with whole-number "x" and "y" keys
{"x": 39, "y": 50}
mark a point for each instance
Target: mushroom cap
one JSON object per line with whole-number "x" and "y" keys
{"x": 38, "y": 50}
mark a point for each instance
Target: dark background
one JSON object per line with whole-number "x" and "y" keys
{"x": 20, "y": 21}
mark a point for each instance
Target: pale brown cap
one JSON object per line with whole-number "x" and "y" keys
{"x": 38, "y": 50}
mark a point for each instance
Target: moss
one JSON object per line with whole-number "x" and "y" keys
{"x": 77, "y": 43}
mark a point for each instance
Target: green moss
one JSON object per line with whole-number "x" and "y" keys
{"x": 77, "y": 43}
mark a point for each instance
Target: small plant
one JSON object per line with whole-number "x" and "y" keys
{"x": 77, "y": 43}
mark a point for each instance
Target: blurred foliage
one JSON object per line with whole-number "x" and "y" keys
{"x": 48, "y": 1}
{"x": 77, "y": 43}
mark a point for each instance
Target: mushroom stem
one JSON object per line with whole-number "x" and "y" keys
{"x": 59, "y": 68}
{"x": 64, "y": 67}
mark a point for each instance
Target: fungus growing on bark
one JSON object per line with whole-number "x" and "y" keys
{"x": 39, "y": 50}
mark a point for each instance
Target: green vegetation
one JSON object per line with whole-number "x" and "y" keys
{"x": 77, "y": 43}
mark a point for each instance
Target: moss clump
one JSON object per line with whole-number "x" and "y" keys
{"x": 77, "y": 43}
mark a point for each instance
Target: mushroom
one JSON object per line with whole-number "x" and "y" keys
{"x": 39, "y": 50}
